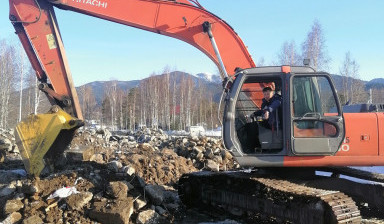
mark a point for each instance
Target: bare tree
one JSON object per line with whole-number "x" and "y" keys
{"x": 174, "y": 103}
{"x": 200, "y": 93}
{"x": 83, "y": 96}
{"x": 8, "y": 70}
{"x": 314, "y": 48}
{"x": 288, "y": 54}
{"x": 166, "y": 99}
{"x": 153, "y": 97}
{"x": 119, "y": 104}
{"x": 162, "y": 100}
{"x": 189, "y": 89}
{"x": 143, "y": 103}
{"x": 37, "y": 96}
{"x": 261, "y": 62}
{"x": 21, "y": 66}
{"x": 111, "y": 93}
{"x": 105, "y": 110}
{"x": 377, "y": 95}
{"x": 345, "y": 72}
{"x": 89, "y": 103}
{"x": 352, "y": 88}
{"x": 211, "y": 110}
{"x": 182, "y": 103}
{"x": 132, "y": 108}
{"x": 33, "y": 97}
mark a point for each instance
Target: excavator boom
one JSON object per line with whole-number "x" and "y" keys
{"x": 36, "y": 25}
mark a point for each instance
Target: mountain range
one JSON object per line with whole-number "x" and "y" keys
{"x": 99, "y": 88}
{"x": 210, "y": 83}
{"x": 375, "y": 83}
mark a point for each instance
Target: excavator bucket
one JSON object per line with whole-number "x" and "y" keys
{"x": 40, "y": 138}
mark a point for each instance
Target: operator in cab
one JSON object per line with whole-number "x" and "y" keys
{"x": 271, "y": 103}
{"x": 263, "y": 131}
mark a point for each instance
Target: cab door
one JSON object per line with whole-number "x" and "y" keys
{"x": 317, "y": 124}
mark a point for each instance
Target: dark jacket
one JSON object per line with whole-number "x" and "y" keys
{"x": 273, "y": 105}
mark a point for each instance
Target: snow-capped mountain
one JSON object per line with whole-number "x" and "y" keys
{"x": 209, "y": 77}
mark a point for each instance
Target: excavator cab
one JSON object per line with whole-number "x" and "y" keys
{"x": 304, "y": 124}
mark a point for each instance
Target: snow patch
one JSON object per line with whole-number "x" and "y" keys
{"x": 209, "y": 77}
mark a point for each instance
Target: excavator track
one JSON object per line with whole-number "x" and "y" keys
{"x": 367, "y": 191}
{"x": 256, "y": 194}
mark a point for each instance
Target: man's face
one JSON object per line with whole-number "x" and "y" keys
{"x": 268, "y": 95}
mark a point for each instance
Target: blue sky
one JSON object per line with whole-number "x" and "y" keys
{"x": 101, "y": 50}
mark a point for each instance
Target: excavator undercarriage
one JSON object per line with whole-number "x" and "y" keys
{"x": 274, "y": 195}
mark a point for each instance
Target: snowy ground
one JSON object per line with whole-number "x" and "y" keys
{"x": 373, "y": 169}
{"x": 208, "y": 133}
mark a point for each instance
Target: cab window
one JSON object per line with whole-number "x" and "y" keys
{"x": 312, "y": 100}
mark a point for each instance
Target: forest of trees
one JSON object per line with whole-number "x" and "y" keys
{"x": 158, "y": 101}
{"x": 162, "y": 100}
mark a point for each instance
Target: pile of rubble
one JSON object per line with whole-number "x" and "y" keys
{"x": 148, "y": 149}
{"x": 78, "y": 196}
{"x": 126, "y": 177}
{"x": 8, "y": 148}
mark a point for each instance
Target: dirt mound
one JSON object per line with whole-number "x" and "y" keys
{"x": 158, "y": 167}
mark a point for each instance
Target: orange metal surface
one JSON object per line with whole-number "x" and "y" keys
{"x": 305, "y": 133}
{"x": 319, "y": 161}
{"x": 41, "y": 40}
{"x": 254, "y": 92}
{"x": 23, "y": 9}
{"x": 361, "y": 146}
{"x": 328, "y": 130}
{"x": 358, "y": 125}
{"x": 380, "y": 128}
{"x": 286, "y": 69}
{"x": 171, "y": 18}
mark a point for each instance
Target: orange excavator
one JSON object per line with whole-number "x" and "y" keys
{"x": 312, "y": 132}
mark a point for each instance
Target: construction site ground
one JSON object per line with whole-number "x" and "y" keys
{"x": 124, "y": 177}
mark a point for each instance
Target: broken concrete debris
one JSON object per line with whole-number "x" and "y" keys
{"x": 117, "y": 189}
{"x": 147, "y": 217}
{"x": 12, "y": 206}
{"x": 78, "y": 201}
{"x": 125, "y": 177}
{"x": 15, "y": 217}
{"x": 140, "y": 203}
{"x": 118, "y": 211}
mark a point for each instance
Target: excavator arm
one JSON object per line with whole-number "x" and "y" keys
{"x": 36, "y": 25}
